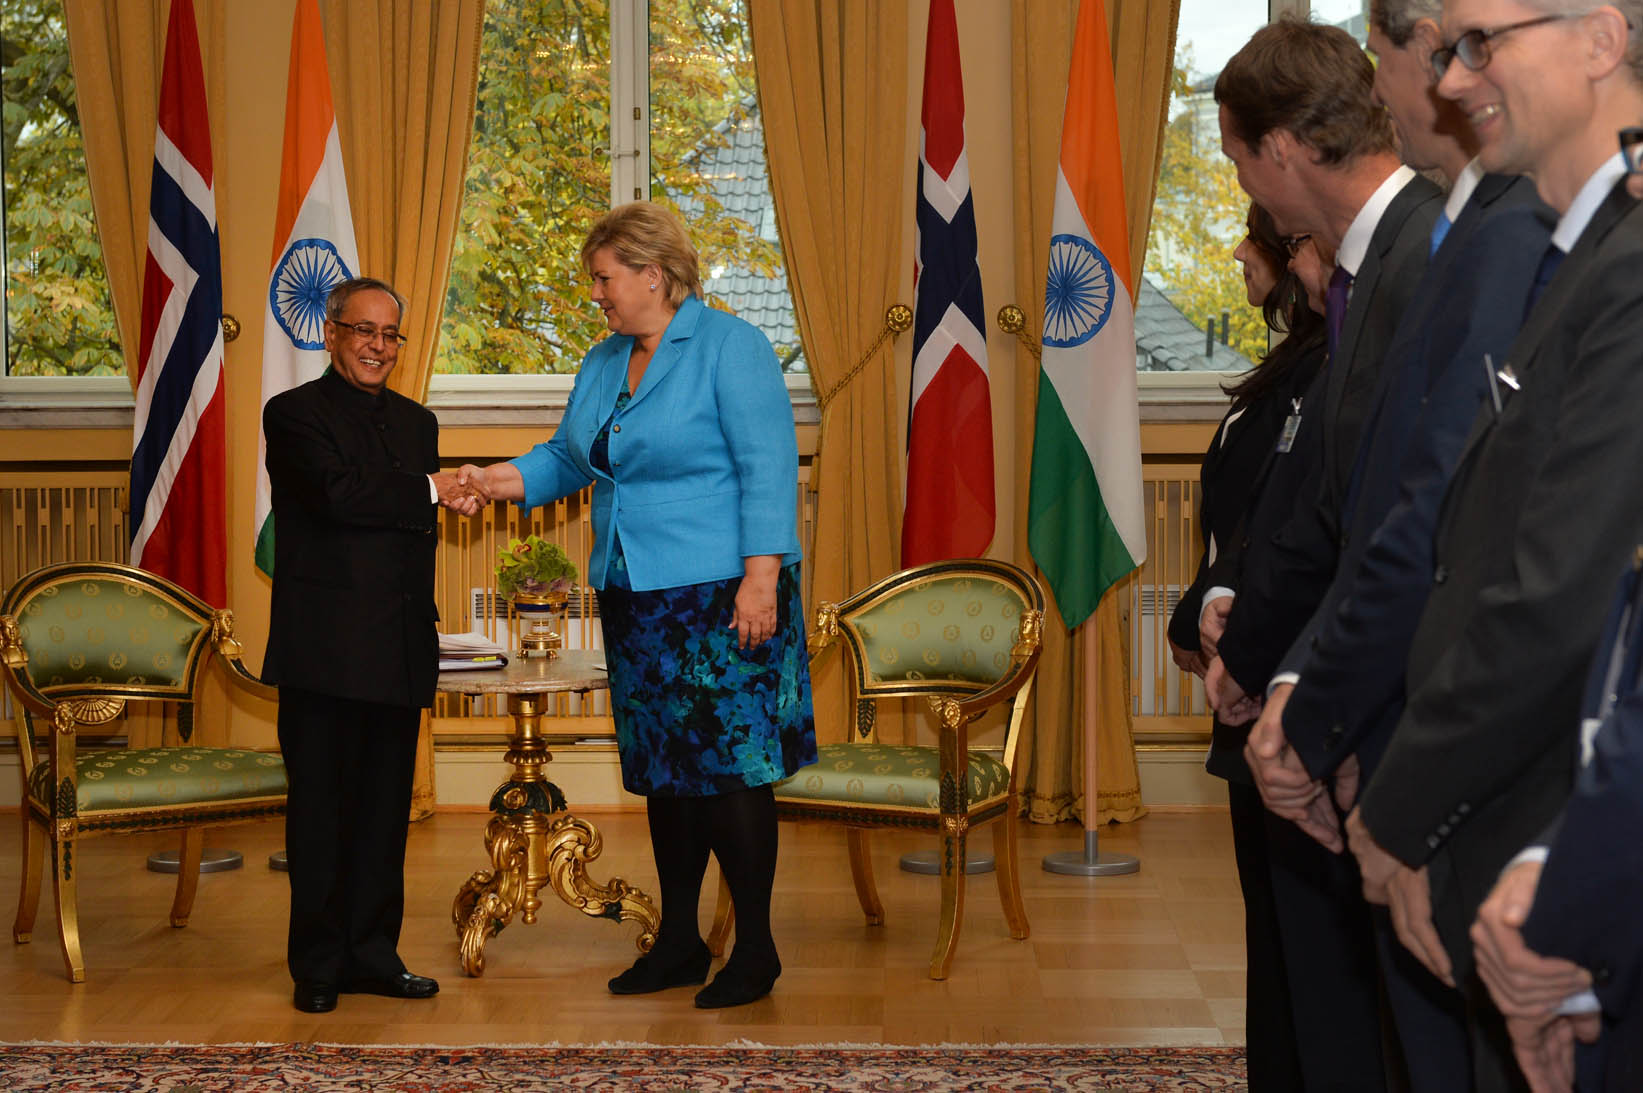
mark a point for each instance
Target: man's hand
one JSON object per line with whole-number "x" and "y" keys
{"x": 1545, "y": 1048}
{"x": 460, "y": 496}
{"x": 1523, "y": 983}
{"x": 1346, "y": 783}
{"x": 1226, "y": 698}
{"x": 1410, "y": 895}
{"x": 1189, "y": 660}
{"x": 1286, "y": 786}
{"x": 1212, "y": 623}
{"x": 1374, "y": 863}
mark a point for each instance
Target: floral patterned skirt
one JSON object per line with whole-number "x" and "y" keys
{"x": 695, "y": 715}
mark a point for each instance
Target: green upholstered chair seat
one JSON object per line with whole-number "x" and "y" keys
{"x": 166, "y": 777}
{"x": 888, "y": 776}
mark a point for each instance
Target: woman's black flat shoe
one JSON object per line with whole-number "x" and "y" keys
{"x": 737, "y": 986}
{"x": 658, "y": 972}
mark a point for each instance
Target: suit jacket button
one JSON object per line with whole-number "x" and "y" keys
{"x": 615, "y": 428}
{"x": 397, "y": 464}
{"x": 1433, "y": 842}
{"x": 1440, "y": 574}
{"x": 1601, "y": 976}
{"x": 1337, "y": 731}
{"x": 1463, "y": 808}
{"x": 1444, "y": 829}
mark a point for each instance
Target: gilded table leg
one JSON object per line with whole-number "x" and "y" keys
{"x": 489, "y": 899}
{"x": 570, "y": 845}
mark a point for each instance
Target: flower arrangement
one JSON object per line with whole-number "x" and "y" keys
{"x": 532, "y": 566}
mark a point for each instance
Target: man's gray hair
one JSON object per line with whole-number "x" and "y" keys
{"x": 1631, "y": 10}
{"x": 343, "y": 291}
{"x": 1397, "y": 18}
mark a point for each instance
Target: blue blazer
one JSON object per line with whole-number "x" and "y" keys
{"x": 704, "y": 461}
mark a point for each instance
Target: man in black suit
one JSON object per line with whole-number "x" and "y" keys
{"x": 1310, "y": 144}
{"x": 1337, "y": 179}
{"x": 1543, "y": 505}
{"x": 352, "y": 644}
{"x": 1560, "y": 941}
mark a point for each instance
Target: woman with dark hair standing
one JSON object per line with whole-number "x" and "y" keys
{"x": 681, "y": 421}
{"x": 1259, "y": 427}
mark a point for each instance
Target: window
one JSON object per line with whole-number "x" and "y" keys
{"x": 580, "y": 108}
{"x": 59, "y": 316}
{"x": 1192, "y": 314}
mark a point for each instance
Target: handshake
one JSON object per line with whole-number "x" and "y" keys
{"x": 464, "y": 491}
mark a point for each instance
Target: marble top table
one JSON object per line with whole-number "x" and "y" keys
{"x": 531, "y": 839}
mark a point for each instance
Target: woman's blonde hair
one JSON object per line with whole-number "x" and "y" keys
{"x": 643, "y": 233}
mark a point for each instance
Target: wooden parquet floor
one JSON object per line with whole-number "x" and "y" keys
{"x": 1153, "y": 958}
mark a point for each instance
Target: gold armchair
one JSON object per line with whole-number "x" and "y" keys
{"x": 965, "y": 636}
{"x": 77, "y": 642}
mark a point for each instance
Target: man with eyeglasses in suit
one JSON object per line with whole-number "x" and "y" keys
{"x": 352, "y": 645}
{"x": 1543, "y": 506}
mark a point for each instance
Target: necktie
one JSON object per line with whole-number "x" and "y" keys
{"x": 1340, "y": 284}
{"x": 1440, "y": 228}
{"x": 1543, "y": 275}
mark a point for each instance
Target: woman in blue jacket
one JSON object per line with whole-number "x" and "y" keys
{"x": 682, "y": 423}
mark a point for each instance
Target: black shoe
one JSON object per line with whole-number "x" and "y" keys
{"x": 739, "y": 983}
{"x": 658, "y": 971}
{"x": 403, "y": 985}
{"x": 312, "y": 997}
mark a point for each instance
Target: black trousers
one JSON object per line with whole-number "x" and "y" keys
{"x": 1314, "y": 1019}
{"x": 350, "y": 765}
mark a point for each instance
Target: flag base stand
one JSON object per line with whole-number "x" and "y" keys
{"x": 211, "y": 861}
{"x": 1090, "y": 862}
{"x": 278, "y": 862}
{"x": 928, "y": 862}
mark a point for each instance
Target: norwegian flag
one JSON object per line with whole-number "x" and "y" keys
{"x": 949, "y": 418}
{"x": 178, "y": 528}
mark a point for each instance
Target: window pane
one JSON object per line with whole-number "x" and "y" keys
{"x": 1347, "y": 14}
{"x": 538, "y": 176}
{"x": 1193, "y": 313}
{"x": 707, "y": 159}
{"x": 59, "y": 315}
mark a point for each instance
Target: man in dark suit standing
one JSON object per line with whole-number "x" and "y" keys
{"x": 352, "y": 644}
{"x": 1543, "y": 505}
{"x": 1312, "y": 146}
{"x": 1560, "y": 940}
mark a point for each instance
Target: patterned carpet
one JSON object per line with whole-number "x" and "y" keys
{"x": 311, "y": 1068}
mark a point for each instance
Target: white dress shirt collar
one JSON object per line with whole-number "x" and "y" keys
{"x": 1466, "y": 184}
{"x": 1355, "y": 243}
{"x": 1584, "y": 206}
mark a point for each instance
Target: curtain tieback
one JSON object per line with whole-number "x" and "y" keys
{"x": 898, "y": 318}
{"x": 1012, "y": 320}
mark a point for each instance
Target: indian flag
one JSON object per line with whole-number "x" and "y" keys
{"x": 1084, "y": 520}
{"x": 313, "y": 242}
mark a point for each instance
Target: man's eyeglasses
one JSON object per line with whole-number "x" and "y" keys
{"x": 365, "y": 332}
{"x": 1294, "y": 243}
{"x": 1631, "y": 147}
{"x": 1472, "y": 49}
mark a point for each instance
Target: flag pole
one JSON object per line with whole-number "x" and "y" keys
{"x": 1090, "y": 861}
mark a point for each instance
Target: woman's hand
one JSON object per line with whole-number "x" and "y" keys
{"x": 754, "y": 619}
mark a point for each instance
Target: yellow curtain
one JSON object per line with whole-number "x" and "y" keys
{"x": 404, "y": 78}
{"x": 1143, "y": 48}
{"x": 833, "y": 100}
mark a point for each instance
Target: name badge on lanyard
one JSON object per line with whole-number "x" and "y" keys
{"x": 1292, "y": 425}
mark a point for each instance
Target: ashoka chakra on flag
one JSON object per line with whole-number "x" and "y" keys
{"x": 1078, "y": 292}
{"x": 296, "y": 293}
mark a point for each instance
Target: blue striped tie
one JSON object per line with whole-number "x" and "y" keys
{"x": 1440, "y": 229}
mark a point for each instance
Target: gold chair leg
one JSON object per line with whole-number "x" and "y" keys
{"x": 1008, "y": 868}
{"x": 188, "y": 874}
{"x": 724, "y": 917}
{"x": 861, "y": 871}
{"x": 952, "y": 904}
{"x": 68, "y": 910}
{"x": 28, "y": 892}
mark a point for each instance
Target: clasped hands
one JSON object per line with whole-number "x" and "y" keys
{"x": 464, "y": 491}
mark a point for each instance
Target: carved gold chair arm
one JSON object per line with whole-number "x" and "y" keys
{"x": 14, "y": 661}
{"x": 827, "y": 629}
{"x": 228, "y": 647}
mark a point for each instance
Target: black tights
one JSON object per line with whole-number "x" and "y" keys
{"x": 738, "y": 828}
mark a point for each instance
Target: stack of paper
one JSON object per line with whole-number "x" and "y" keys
{"x": 466, "y": 652}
